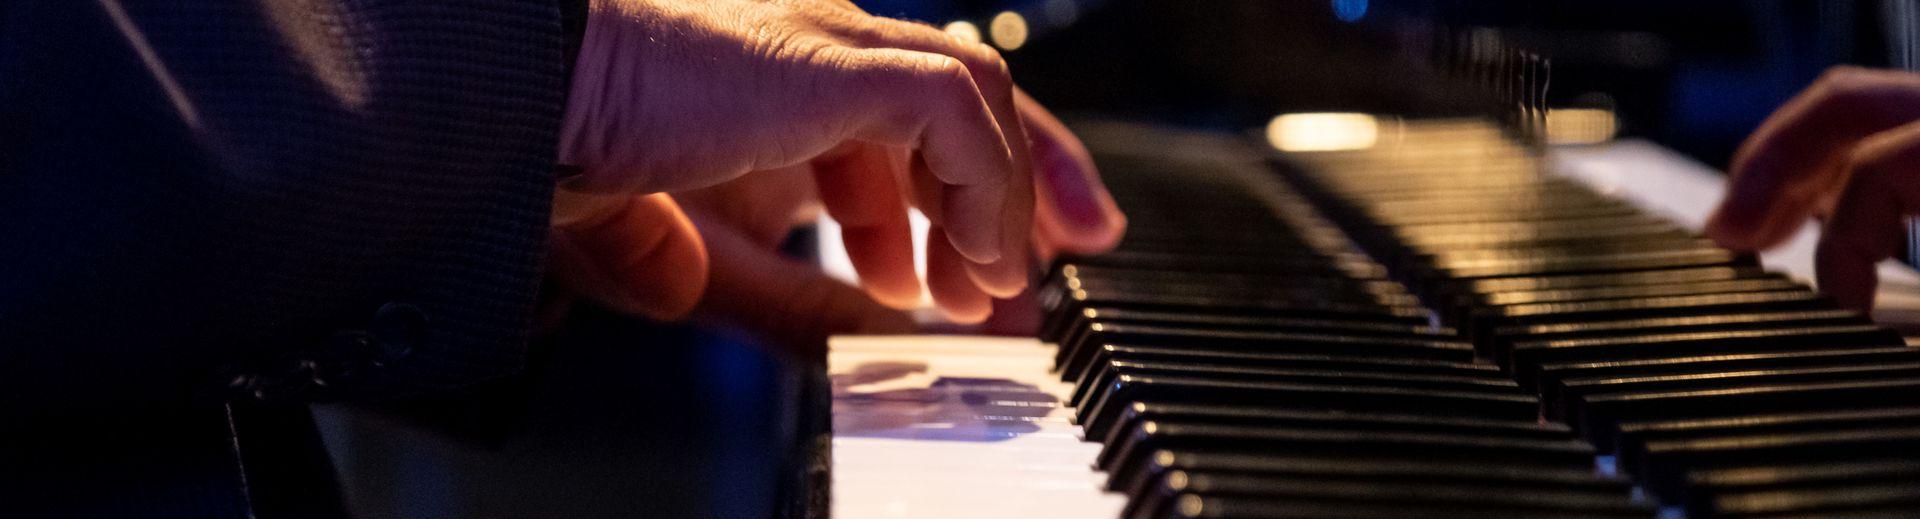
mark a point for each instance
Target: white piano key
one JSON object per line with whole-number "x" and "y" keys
{"x": 957, "y": 427}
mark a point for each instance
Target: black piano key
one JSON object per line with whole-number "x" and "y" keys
{"x": 1078, "y": 334}
{"x": 1352, "y": 185}
{"x": 1308, "y": 301}
{"x": 1601, "y": 412}
{"x": 1121, "y": 278}
{"x": 1545, "y": 200}
{"x": 1552, "y": 259}
{"x": 1514, "y": 235}
{"x": 1132, "y": 452}
{"x": 1499, "y": 215}
{"x": 1270, "y": 342}
{"x": 1573, "y": 391}
{"x": 1508, "y": 500}
{"x": 1491, "y": 302}
{"x": 1701, "y": 485}
{"x": 1075, "y": 301}
{"x": 1285, "y": 416}
{"x": 1527, "y": 355}
{"x": 1149, "y": 295}
{"x": 1632, "y": 433}
{"x": 1545, "y": 376}
{"x": 1484, "y": 321}
{"x": 1662, "y": 465}
{"x": 1095, "y": 396}
{"x": 1886, "y": 499}
{"x": 1196, "y": 506}
{"x": 1751, "y": 471}
{"x": 1249, "y": 235}
{"x": 1124, "y": 390}
{"x": 1306, "y": 263}
{"x": 1541, "y": 265}
{"x": 1464, "y": 287}
{"x": 1119, "y": 352}
{"x": 1517, "y": 236}
{"x": 1553, "y": 377}
{"x": 1575, "y": 330}
{"x": 1502, "y": 338}
{"x": 1754, "y": 284}
{"x": 1582, "y": 479}
{"x": 1301, "y": 293}
{"x": 1441, "y": 256}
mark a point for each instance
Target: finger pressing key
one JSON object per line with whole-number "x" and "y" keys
{"x": 929, "y": 102}
{"x": 1868, "y": 223}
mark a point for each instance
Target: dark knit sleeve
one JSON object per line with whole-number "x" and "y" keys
{"x": 204, "y": 200}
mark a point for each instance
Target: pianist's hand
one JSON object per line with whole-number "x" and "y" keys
{"x": 744, "y": 221}
{"x": 672, "y": 95}
{"x": 1847, "y": 149}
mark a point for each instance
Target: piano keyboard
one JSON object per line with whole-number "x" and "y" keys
{"x": 1432, "y": 327}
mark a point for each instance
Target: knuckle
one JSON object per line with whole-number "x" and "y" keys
{"x": 1868, "y": 157}
{"x": 1881, "y": 155}
{"x": 1845, "y": 85}
{"x": 1841, "y": 74}
{"x": 945, "y": 73}
{"x": 990, "y": 61}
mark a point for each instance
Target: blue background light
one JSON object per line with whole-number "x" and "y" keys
{"x": 1349, "y": 10}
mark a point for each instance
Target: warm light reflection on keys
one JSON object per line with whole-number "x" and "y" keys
{"x": 1323, "y": 131}
{"x": 1580, "y": 126}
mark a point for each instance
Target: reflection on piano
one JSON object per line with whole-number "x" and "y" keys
{"x": 1420, "y": 323}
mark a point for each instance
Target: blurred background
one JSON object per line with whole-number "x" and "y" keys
{"x": 623, "y": 418}
{"x": 1696, "y": 75}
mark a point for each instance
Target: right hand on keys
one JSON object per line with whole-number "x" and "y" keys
{"x": 885, "y": 114}
{"x": 1846, "y": 149}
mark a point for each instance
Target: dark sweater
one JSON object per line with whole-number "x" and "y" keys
{"x": 205, "y": 202}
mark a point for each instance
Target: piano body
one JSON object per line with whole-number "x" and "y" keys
{"x": 1401, "y": 312}
{"x": 1447, "y": 325}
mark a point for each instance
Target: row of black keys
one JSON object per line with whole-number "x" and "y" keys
{"x": 1684, "y": 361}
{"x": 1235, "y": 365}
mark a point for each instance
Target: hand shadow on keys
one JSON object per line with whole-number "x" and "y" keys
{"x": 901, "y": 400}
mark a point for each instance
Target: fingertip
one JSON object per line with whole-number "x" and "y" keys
{"x": 894, "y": 298}
{"x": 1846, "y": 278}
{"x": 958, "y": 297}
{"x": 1746, "y": 226}
{"x": 1729, "y": 229}
{"x": 1069, "y": 182}
{"x": 680, "y": 262}
{"x": 643, "y": 256}
{"x": 971, "y": 314}
{"x": 883, "y": 257}
{"x": 1081, "y": 214}
{"x": 1060, "y": 236}
{"x": 973, "y": 222}
{"x": 1001, "y": 279}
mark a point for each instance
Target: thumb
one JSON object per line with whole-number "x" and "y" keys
{"x": 637, "y": 254}
{"x": 792, "y": 303}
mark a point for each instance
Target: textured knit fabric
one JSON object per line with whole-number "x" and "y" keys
{"x": 188, "y": 185}
{"x": 194, "y": 189}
